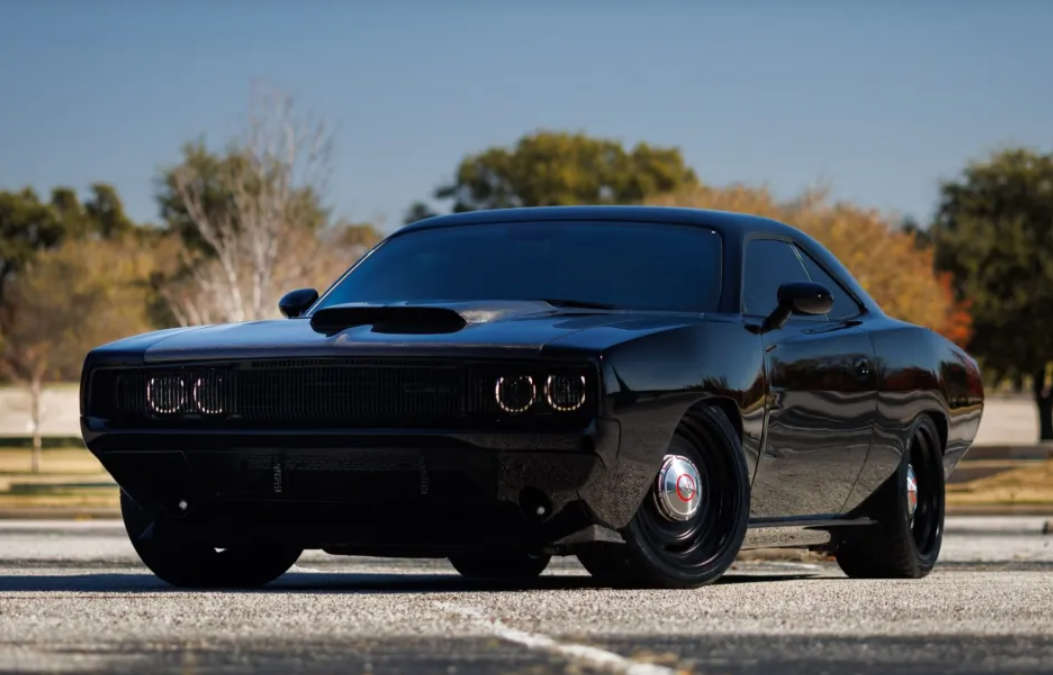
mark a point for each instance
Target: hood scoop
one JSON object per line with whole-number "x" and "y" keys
{"x": 419, "y": 319}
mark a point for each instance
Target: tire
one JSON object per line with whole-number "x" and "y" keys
{"x": 663, "y": 552}
{"x": 510, "y": 566}
{"x": 177, "y": 558}
{"x": 899, "y": 546}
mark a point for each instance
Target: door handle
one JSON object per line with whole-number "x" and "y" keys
{"x": 862, "y": 367}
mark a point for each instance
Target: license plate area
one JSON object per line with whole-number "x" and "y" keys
{"x": 381, "y": 475}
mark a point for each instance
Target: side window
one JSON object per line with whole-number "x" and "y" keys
{"x": 769, "y": 264}
{"x": 844, "y": 306}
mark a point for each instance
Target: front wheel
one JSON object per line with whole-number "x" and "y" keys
{"x": 181, "y": 560}
{"x": 690, "y": 527}
{"x": 909, "y": 510}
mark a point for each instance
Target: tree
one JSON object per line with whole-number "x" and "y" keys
{"x": 417, "y": 211}
{"x": 27, "y": 226}
{"x": 993, "y": 233}
{"x": 105, "y": 213}
{"x": 240, "y": 211}
{"x": 886, "y": 260}
{"x": 65, "y": 302}
{"x": 550, "y": 168}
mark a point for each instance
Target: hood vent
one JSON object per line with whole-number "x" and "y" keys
{"x": 403, "y": 320}
{"x": 423, "y": 319}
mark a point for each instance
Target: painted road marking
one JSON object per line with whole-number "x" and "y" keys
{"x": 592, "y": 655}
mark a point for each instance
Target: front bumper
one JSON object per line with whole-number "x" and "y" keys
{"x": 357, "y": 491}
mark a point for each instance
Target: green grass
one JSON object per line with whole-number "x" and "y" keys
{"x": 61, "y": 461}
{"x": 73, "y": 499}
{"x": 1031, "y": 484}
{"x": 48, "y": 442}
{"x": 70, "y": 478}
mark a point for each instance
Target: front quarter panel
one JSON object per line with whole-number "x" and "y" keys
{"x": 651, "y": 383}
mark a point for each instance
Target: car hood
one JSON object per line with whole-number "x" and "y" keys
{"x": 418, "y": 329}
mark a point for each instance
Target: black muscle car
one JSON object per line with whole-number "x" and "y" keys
{"x": 649, "y": 389}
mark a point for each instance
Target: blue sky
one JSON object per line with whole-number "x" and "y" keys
{"x": 881, "y": 99}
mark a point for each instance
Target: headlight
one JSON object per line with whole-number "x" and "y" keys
{"x": 208, "y": 396}
{"x": 515, "y": 394}
{"x": 166, "y": 394}
{"x": 565, "y": 393}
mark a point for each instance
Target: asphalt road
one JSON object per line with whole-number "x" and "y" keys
{"x": 74, "y": 599}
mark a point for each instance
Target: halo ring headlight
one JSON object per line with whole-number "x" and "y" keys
{"x": 560, "y": 394}
{"x": 503, "y": 392}
{"x": 211, "y": 396}
{"x": 166, "y": 394}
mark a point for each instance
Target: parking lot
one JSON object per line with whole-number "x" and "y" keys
{"x": 73, "y": 598}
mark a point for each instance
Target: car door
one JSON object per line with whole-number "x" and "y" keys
{"x": 822, "y": 389}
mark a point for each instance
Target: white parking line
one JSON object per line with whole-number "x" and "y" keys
{"x": 592, "y": 655}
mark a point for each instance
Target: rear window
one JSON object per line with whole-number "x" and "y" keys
{"x": 626, "y": 265}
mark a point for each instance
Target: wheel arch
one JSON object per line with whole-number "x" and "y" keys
{"x": 726, "y": 405}
{"x": 652, "y": 383}
{"x": 939, "y": 418}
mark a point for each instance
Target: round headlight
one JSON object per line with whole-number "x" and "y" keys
{"x": 515, "y": 394}
{"x": 165, "y": 394}
{"x": 207, "y": 397}
{"x": 565, "y": 393}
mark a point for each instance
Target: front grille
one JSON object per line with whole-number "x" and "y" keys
{"x": 317, "y": 392}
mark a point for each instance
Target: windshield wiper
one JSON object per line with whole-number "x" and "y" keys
{"x": 583, "y": 304}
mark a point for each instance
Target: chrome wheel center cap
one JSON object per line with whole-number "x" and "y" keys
{"x": 678, "y": 491}
{"x": 912, "y": 491}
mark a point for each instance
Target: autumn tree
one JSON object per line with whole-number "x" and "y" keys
{"x": 551, "y": 168}
{"x": 994, "y": 234}
{"x": 65, "y": 302}
{"x": 241, "y": 211}
{"x": 886, "y": 259}
{"x": 417, "y": 211}
{"x": 27, "y": 226}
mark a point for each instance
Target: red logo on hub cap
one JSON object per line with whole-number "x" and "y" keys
{"x": 685, "y": 487}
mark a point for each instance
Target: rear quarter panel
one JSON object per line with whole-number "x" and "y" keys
{"x": 919, "y": 372}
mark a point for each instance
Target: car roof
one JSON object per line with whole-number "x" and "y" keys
{"x": 722, "y": 221}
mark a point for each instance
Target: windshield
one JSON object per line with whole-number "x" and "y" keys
{"x": 621, "y": 265}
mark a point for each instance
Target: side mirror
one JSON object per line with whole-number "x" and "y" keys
{"x": 799, "y": 297}
{"x": 295, "y": 303}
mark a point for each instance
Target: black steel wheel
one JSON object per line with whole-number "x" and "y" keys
{"x": 178, "y": 558}
{"x": 500, "y": 565}
{"x": 690, "y": 527}
{"x": 909, "y": 509}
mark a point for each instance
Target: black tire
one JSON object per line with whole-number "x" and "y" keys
{"x": 179, "y": 559}
{"x": 500, "y": 565}
{"x": 661, "y": 553}
{"x": 898, "y": 546}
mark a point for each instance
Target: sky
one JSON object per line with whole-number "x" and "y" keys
{"x": 880, "y": 100}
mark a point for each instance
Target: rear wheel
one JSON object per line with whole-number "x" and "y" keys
{"x": 909, "y": 510}
{"x": 500, "y": 565}
{"x": 690, "y": 527}
{"x": 178, "y": 558}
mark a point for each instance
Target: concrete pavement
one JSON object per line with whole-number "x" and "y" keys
{"x": 73, "y": 598}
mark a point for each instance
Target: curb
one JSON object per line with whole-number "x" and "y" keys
{"x": 998, "y": 525}
{"x": 973, "y": 524}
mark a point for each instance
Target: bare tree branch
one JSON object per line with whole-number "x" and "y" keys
{"x": 278, "y": 168}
